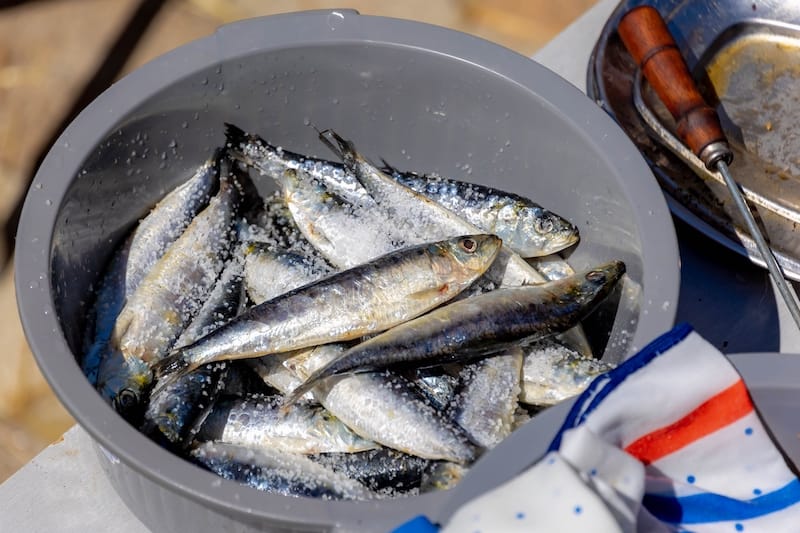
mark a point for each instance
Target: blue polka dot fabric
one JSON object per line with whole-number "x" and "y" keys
{"x": 639, "y": 453}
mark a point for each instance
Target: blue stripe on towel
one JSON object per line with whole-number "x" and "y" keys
{"x": 709, "y": 508}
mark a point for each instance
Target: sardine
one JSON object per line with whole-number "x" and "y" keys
{"x": 272, "y": 160}
{"x": 526, "y": 227}
{"x": 268, "y": 273}
{"x": 176, "y": 411}
{"x": 486, "y": 403}
{"x": 140, "y": 251}
{"x": 156, "y": 232}
{"x": 175, "y": 288}
{"x": 416, "y": 218}
{"x": 347, "y": 305}
{"x": 479, "y": 325}
{"x": 255, "y": 422}
{"x": 278, "y": 472}
{"x": 552, "y": 373}
{"x": 388, "y": 409}
{"x": 387, "y": 472}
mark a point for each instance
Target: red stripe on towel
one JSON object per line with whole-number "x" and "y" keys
{"x": 717, "y": 412}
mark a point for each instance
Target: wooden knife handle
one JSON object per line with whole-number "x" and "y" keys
{"x": 648, "y": 40}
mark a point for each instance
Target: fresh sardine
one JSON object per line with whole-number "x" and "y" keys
{"x": 552, "y": 373}
{"x": 347, "y": 305}
{"x": 141, "y": 250}
{"x": 255, "y": 422}
{"x": 479, "y": 325}
{"x": 526, "y": 227}
{"x": 278, "y": 472}
{"x": 388, "y": 409}
{"x": 176, "y": 287}
{"x": 486, "y": 404}
{"x": 175, "y": 412}
{"x": 387, "y": 472}
{"x": 416, "y": 218}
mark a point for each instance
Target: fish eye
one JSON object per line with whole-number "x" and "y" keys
{"x": 544, "y": 226}
{"x": 126, "y": 399}
{"x": 596, "y": 276}
{"x": 469, "y": 245}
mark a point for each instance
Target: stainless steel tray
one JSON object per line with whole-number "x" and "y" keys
{"x": 745, "y": 56}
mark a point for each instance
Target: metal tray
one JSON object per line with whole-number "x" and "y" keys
{"x": 745, "y": 57}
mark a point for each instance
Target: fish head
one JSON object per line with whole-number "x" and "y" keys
{"x": 471, "y": 255}
{"x": 598, "y": 282}
{"x": 124, "y": 383}
{"x": 542, "y": 232}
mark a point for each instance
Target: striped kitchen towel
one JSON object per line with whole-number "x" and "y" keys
{"x": 668, "y": 441}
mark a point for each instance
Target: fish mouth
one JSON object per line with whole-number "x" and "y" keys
{"x": 561, "y": 240}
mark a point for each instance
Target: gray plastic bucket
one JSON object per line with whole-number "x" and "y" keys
{"x": 423, "y": 98}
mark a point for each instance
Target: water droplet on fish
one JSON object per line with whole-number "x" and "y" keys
{"x": 48, "y": 202}
{"x": 204, "y": 81}
{"x": 306, "y": 121}
{"x": 34, "y": 285}
{"x": 335, "y": 101}
{"x": 66, "y": 145}
{"x": 38, "y": 186}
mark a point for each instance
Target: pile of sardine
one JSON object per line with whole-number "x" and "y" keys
{"x": 363, "y": 332}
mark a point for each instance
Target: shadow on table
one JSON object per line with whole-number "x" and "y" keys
{"x": 728, "y": 299}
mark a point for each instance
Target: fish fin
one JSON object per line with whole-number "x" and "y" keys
{"x": 235, "y": 136}
{"x": 428, "y": 294}
{"x": 343, "y": 148}
{"x": 387, "y": 168}
{"x": 294, "y": 396}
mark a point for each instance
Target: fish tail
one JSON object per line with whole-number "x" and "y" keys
{"x": 235, "y": 136}
{"x": 173, "y": 365}
{"x": 340, "y": 146}
{"x": 293, "y": 397}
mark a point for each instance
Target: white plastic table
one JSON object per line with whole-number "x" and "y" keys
{"x": 729, "y": 301}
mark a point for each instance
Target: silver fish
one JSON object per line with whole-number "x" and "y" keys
{"x": 416, "y": 218}
{"x": 176, "y": 411}
{"x": 347, "y": 305}
{"x": 526, "y": 227}
{"x": 387, "y": 472}
{"x": 175, "y": 288}
{"x": 479, "y": 325}
{"x": 141, "y": 250}
{"x": 486, "y": 404}
{"x": 156, "y": 232}
{"x": 278, "y": 472}
{"x": 255, "y": 422}
{"x": 272, "y": 160}
{"x": 387, "y": 408}
{"x": 344, "y": 233}
{"x": 553, "y": 372}
{"x": 268, "y": 272}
